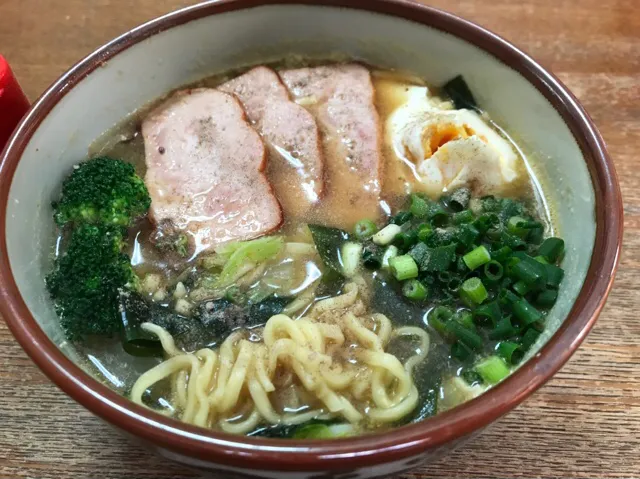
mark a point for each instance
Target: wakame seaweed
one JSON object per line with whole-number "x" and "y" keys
{"x": 459, "y": 92}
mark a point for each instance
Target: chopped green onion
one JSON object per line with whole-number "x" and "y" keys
{"x": 466, "y": 235}
{"x": 473, "y": 292}
{"x": 419, "y": 252}
{"x": 541, "y": 259}
{"x": 438, "y": 258}
{"x": 461, "y": 351}
{"x": 463, "y": 217}
{"x": 525, "y": 312}
{"x": 386, "y": 235}
{"x": 454, "y": 284}
{"x": 547, "y": 298}
{"x": 437, "y": 215}
{"x": 405, "y": 240}
{"x": 419, "y": 206}
{"x": 492, "y": 369}
{"x": 403, "y": 267}
{"x": 465, "y": 318}
{"x": 486, "y": 221}
{"x": 372, "y": 256}
{"x": 536, "y": 235}
{"x": 529, "y": 339}
{"x": 365, "y": 229}
{"x": 414, "y": 290}
{"x": 458, "y": 200}
{"x": 424, "y": 232}
{"x": 515, "y": 226}
{"x": 512, "y": 241}
{"x": 350, "y": 254}
{"x": 471, "y": 377}
{"x": 554, "y": 275}
{"x": 521, "y": 287}
{"x": 477, "y": 257}
{"x": 390, "y": 252}
{"x": 493, "y": 272}
{"x": 488, "y": 314}
{"x": 501, "y": 254}
{"x": 438, "y": 317}
{"x": 511, "y": 352}
{"x": 552, "y": 249}
{"x": 503, "y": 330}
{"x": 531, "y": 272}
{"x": 401, "y": 218}
{"x": 465, "y": 335}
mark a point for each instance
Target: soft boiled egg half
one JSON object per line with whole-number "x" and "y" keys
{"x": 448, "y": 148}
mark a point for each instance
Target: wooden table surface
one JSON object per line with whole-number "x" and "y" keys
{"x": 585, "y": 423}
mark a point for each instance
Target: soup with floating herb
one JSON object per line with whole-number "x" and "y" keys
{"x": 314, "y": 251}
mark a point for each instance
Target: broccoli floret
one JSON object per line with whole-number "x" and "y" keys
{"x": 86, "y": 280}
{"x": 102, "y": 191}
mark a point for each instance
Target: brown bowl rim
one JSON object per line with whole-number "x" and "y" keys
{"x": 370, "y": 450}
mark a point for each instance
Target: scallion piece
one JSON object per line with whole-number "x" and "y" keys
{"x": 463, "y": 217}
{"x": 461, "y": 351}
{"x": 437, "y": 215}
{"x": 386, "y": 235}
{"x": 465, "y": 318}
{"x": 493, "y": 272}
{"x": 554, "y": 275}
{"x": 458, "y": 200}
{"x": 503, "y": 330}
{"x": 531, "y": 272}
{"x": 541, "y": 259}
{"x": 372, "y": 256}
{"x": 438, "y": 317}
{"x": 492, "y": 369}
{"x": 466, "y": 235}
{"x": 488, "y": 314}
{"x": 552, "y": 249}
{"x": 473, "y": 292}
{"x": 529, "y": 339}
{"x": 512, "y": 241}
{"x": 521, "y": 287}
{"x": 390, "y": 252}
{"x": 477, "y": 257}
{"x": 511, "y": 352}
{"x": 405, "y": 240}
{"x": 547, "y": 298}
{"x": 486, "y": 221}
{"x": 365, "y": 229}
{"x": 419, "y": 206}
{"x": 465, "y": 335}
{"x": 525, "y": 312}
{"x": 515, "y": 226}
{"x": 424, "y": 232}
{"x": 401, "y": 218}
{"x": 350, "y": 255}
{"x": 414, "y": 290}
{"x": 501, "y": 254}
{"x": 403, "y": 267}
{"x": 454, "y": 284}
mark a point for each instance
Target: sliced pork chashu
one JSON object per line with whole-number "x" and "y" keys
{"x": 295, "y": 165}
{"x": 341, "y": 98}
{"x": 205, "y": 166}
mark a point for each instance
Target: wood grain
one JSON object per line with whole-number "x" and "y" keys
{"x": 584, "y": 424}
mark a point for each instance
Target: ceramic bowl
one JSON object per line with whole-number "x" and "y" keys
{"x": 576, "y": 173}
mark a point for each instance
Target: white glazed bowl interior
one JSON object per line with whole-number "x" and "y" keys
{"x": 226, "y": 41}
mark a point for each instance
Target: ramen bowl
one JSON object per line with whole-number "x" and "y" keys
{"x": 179, "y": 48}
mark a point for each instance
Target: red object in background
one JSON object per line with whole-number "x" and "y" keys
{"x": 13, "y": 102}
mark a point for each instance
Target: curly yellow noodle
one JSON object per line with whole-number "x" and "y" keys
{"x": 352, "y": 378}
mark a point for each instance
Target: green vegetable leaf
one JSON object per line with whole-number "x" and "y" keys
{"x": 329, "y": 242}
